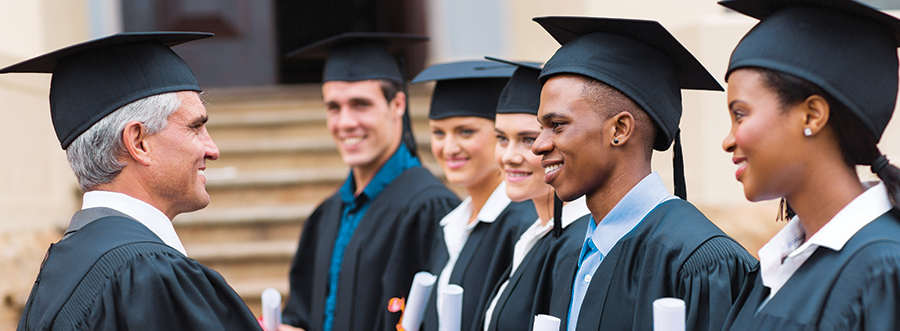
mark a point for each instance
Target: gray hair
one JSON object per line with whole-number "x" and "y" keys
{"x": 93, "y": 156}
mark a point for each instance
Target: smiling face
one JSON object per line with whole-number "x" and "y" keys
{"x": 179, "y": 155}
{"x": 365, "y": 127}
{"x": 764, "y": 138}
{"x": 575, "y": 155}
{"x": 522, "y": 169}
{"x": 464, "y": 147}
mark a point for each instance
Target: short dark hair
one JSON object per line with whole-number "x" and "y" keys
{"x": 611, "y": 101}
{"x": 390, "y": 89}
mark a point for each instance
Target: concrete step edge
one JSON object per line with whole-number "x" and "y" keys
{"x": 245, "y": 215}
{"x": 292, "y": 145}
{"x": 230, "y": 177}
{"x": 252, "y": 289}
{"x": 243, "y": 251}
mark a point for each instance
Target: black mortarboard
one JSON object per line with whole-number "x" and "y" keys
{"x": 846, "y": 48}
{"x": 356, "y": 56}
{"x": 637, "y": 57}
{"x": 465, "y": 88}
{"x": 94, "y": 78}
{"x": 522, "y": 93}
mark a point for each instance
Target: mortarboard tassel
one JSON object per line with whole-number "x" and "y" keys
{"x": 557, "y": 215}
{"x": 678, "y": 165}
{"x": 407, "y": 137}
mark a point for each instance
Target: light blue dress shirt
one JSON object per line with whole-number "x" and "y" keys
{"x": 601, "y": 237}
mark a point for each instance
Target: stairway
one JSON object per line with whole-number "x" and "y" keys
{"x": 277, "y": 163}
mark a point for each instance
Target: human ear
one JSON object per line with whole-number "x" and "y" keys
{"x": 398, "y": 104}
{"x": 134, "y": 138}
{"x": 816, "y": 112}
{"x": 622, "y": 128}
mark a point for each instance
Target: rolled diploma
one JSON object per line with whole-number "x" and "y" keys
{"x": 451, "y": 314}
{"x": 415, "y": 303}
{"x": 271, "y": 309}
{"x": 545, "y": 323}
{"x": 668, "y": 314}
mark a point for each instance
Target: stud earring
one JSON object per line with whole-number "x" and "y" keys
{"x": 616, "y": 141}
{"x": 807, "y": 132}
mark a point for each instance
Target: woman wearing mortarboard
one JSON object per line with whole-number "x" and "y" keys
{"x": 479, "y": 235}
{"x": 810, "y": 91}
{"x": 526, "y": 288}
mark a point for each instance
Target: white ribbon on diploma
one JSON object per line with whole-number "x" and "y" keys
{"x": 668, "y": 314}
{"x": 415, "y": 303}
{"x": 271, "y": 309}
{"x": 545, "y": 323}
{"x": 451, "y": 314}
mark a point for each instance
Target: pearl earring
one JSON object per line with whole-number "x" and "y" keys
{"x": 807, "y": 132}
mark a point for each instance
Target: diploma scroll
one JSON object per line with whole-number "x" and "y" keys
{"x": 451, "y": 313}
{"x": 271, "y": 309}
{"x": 545, "y": 323}
{"x": 668, "y": 314}
{"x": 415, "y": 303}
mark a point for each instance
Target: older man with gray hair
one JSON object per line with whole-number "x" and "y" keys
{"x": 127, "y": 111}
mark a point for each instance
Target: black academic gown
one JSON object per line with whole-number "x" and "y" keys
{"x": 856, "y": 288}
{"x": 675, "y": 251}
{"x": 139, "y": 284}
{"x": 391, "y": 244}
{"x": 529, "y": 291}
{"x": 483, "y": 260}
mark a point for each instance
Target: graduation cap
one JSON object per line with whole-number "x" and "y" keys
{"x": 465, "y": 88}
{"x": 356, "y": 56}
{"x": 94, "y": 78}
{"x": 522, "y": 93}
{"x": 639, "y": 58}
{"x": 845, "y": 47}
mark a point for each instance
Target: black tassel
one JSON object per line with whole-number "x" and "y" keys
{"x": 678, "y": 166}
{"x": 557, "y": 215}
{"x": 407, "y": 138}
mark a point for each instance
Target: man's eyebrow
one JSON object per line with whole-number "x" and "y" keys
{"x": 200, "y": 120}
{"x": 551, "y": 115}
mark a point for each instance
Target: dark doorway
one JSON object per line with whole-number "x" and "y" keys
{"x": 304, "y": 22}
{"x": 252, "y": 36}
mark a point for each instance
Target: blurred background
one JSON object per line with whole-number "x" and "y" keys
{"x": 277, "y": 160}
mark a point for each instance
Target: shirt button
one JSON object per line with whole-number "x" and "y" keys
{"x": 587, "y": 278}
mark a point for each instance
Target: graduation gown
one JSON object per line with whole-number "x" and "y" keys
{"x": 392, "y": 242}
{"x": 675, "y": 251}
{"x": 529, "y": 291}
{"x": 115, "y": 274}
{"x": 856, "y": 288}
{"x": 482, "y": 262}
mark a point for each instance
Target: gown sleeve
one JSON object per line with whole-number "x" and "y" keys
{"x": 412, "y": 251}
{"x": 711, "y": 279}
{"x": 166, "y": 291}
{"x": 867, "y": 294}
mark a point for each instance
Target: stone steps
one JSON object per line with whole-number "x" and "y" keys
{"x": 277, "y": 163}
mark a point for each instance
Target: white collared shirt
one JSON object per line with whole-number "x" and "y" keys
{"x": 780, "y": 258}
{"x": 141, "y": 211}
{"x": 572, "y": 211}
{"x": 457, "y": 229}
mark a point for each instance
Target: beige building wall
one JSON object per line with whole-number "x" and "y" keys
{"x": 37, "y": 190}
